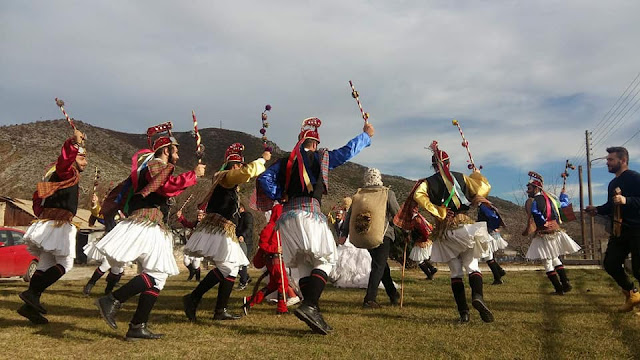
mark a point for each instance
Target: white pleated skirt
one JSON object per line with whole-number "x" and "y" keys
{"x": 353, "y": 267}
{"x": 419, "y": 254}
{"x": 469, "y": 236}
{"x": 306, "y": 237}
{"x": 550, "y": 246}
{"x": 217, "y": 247}
{"x": 44, "y": 236}
{"x": 147, "y": 243}
{"x": 92, "y": 252}
{"x": 497, "y": 242}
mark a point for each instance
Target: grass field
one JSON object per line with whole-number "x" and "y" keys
{"x": 530, "y": 324}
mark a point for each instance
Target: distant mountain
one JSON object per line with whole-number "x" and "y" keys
{"x": 27, "y": 150}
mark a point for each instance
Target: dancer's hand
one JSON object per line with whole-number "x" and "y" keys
{"x": 179, "y": 214}
{"x": 591, "y": 210}
{"x": 368, "y": 128}
{"x": 266, "y": 155}
{"x": 241, "y": 238}
{"x": 200, "y": 168}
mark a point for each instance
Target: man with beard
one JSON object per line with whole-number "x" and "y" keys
{"x": 144, "y": 236}
{"x": 299, "y": 181}
{"x": 549, "y": 240}
{"x": 623, "y": 208}
{"x": 53, "y": 237}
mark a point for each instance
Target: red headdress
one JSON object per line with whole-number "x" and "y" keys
{"x": 536, "y": 179}
{"x": 162, "y": 141}
{"x": 234, "y": 153}
{"x": 309, "y": 130}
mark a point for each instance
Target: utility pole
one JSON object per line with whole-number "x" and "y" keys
{"x": 582, "y": 224}
{"x": 592, "y": 220}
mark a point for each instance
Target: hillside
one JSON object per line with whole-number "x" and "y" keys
{"x": 26, "y": 151}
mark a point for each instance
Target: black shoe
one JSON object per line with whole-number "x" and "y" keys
{"x": 190, "y": 307}
{"x": 464, "y": 317}
{"x": 502, "y": 272}
{"x": 312, "y": 317}
{"x": 109, "y": 306}
{"x": 32, "y": 299}
{"x": 558, "y": 293}
{"x": 141, "y": 332}
{"x": 370, "y": 305}
{"x": 32, "y": 314}
{"x": 395, "y": 299}
{"x": 87, "y": 289}
{"x": 223, "y": 314}
{"x": 433, "y": 271}
{"x": 242, "y": 286}
{"x": 485, "y": 313}
{"x": 497, "y": 282}
{"x": 566, "y": 287}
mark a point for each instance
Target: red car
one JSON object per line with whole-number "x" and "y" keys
{"x": 15, "y": 259}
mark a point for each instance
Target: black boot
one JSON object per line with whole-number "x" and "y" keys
{"x": 192, "y": 299}
{"x": 477, "y": 299}
{"x": 424, "y": 266}
{"x": 457, "y": 287}
{"x": 309, "y": 312}
{"x": 112, "y": 281}
{"x": 32, "y": 314}
{"x": 109, "y": 306}
{"x": 40, "y": 281}
{"x": 97, "y": 274}
{"x": 146, "y": 301}
{"x": 564, "y": 279}
{"x": 224, "y": 292}
{"x": 553, "y": 277}
{"x": 197, "y": 271}
{"x": 191, "y": 272}
{"x": 433, "y": 269}
{"x": 495, "y": 270}
{"x": 141, "y": 332}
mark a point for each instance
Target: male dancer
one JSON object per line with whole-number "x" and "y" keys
{"x": 489, "y": 214}
{"x": 53, "y": 237}
{"x": 457, "y": 239}
{"x": 422, "y": 245}
{"x": 215, "y": 237}
{"x": 192, "y": 262}
{"x": 307, "y": 242}
{"x": 144, "y": 236}
{"x": 549, "y": 240}
{"x": 623, "y": 208}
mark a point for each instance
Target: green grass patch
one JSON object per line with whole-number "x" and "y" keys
{"x": 530, "y": 324}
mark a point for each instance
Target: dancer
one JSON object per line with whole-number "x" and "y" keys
{"x": 191, "y": 262}
{"x": 115, "y": 272}
{"x": 52, "y": 237}
{"x": 373, "y": 189}
{"x": 215, "y": 237}
{"x": 144, "y": 236}
{"x": 489, "y": 214}
{"x": 270, "y": 255}
{"x": 307, "y": 242}
{"x": 421, "y": 251}
{"x": 549, "y": 240}
{"x": 622, "y": 206}
{"x": 457, "y": 239}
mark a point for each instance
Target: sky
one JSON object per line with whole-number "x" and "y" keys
{"x": 524, "y": 79}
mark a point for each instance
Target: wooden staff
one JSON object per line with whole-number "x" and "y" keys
{"x": 185, "y": 203}
{"x": 356, "y": 95}
{"x": 465, "y": 144}
{"x": 284, "y": 290}
{"x": 404, "y": 265}
{"x": 60, "y": 104}
{"x": 565, "y": 174}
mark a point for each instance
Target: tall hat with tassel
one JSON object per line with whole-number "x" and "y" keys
{"x": 163, "y": 140}
{"x": 233, "y": 154}
{"x": 536, "y": 179}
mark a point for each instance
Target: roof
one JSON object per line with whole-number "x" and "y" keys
{"x": 81, "y": 218}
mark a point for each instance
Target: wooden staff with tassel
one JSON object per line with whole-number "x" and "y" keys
{"x": 465, "y": 144}
{"x": 356, "y": 95}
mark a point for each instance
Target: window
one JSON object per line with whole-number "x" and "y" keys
{"x": 5, "y": 238}
{"x": 17, "y": 237}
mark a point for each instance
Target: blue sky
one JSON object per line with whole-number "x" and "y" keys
{"x": 525, "y": 79}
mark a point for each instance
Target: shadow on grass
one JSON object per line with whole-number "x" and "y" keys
{"x": 629, "y": 335}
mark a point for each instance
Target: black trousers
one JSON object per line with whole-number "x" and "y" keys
{"x": 380, "y": 271}
{"x": 617, "y": 251}
{"x": 243, "y": 273}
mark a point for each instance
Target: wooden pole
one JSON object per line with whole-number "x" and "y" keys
{"x": 582, "y": 223}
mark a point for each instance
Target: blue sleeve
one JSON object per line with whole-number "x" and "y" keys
{"x": 492, "y": 218}
{"x": 268, "y": 182}
{"x": 538, "y": 216}
{"x": 564, "y": 200}
{"x": 340, "y": 156}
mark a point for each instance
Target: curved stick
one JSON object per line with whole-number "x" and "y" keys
{"x": 185, "y": 203}
{"x": 196, "y": 134}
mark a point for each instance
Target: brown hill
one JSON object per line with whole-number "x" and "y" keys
{"x": 27, "y": 150}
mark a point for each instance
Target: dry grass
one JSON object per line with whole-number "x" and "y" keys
{"x": 530, "y": 324}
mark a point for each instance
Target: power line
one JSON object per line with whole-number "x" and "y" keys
{"x": 634, "y": 135}
{"x": 614, "y": 105}
{"x": 618, "y": 118}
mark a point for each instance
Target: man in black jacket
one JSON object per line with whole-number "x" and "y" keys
{"x": 244, "y": 232}
{"x": 623, "y": 207}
